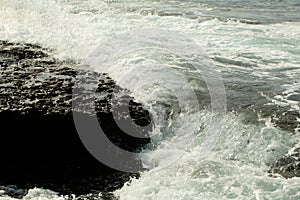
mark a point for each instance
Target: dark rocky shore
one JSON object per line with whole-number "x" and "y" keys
{"x": 39, "y": 143}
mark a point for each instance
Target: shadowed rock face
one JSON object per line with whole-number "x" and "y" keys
{"x": 39, "y": 143}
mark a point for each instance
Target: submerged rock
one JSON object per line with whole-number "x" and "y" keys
{"x": 39, "y": 143}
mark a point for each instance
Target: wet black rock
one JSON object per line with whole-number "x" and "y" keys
{"x": 288, "y": 166}
{"x": 287, "y": 120}
{"x": 294, "y": 97}
{"x": 39, "y": 143}
{"x": 12, "y": 191}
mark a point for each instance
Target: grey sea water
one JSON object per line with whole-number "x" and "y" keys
{"x": 254, "y": 44}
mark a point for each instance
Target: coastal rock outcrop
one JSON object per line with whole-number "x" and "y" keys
{"x": 39, "y": 143}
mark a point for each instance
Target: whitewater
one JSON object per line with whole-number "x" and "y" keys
{"x": 254, "y": 45}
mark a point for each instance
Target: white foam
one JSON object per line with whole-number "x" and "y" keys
{"x": 235, "y": 169}
{"x": 38, "y": 194}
